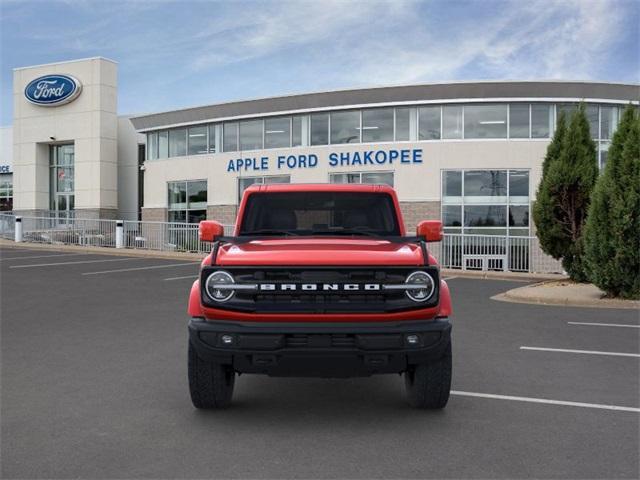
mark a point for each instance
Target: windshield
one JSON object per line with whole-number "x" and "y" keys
{"x": 319, "y": 213}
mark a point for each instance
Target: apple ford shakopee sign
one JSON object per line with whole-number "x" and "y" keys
{"x": 53, "y": 90}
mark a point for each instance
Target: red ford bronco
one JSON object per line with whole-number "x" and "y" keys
{"x": 320, "y": 280}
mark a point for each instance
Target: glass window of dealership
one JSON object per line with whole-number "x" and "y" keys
{"x": 429, "y": 123}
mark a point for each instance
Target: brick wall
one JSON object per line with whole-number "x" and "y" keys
{"x": 414, "y": 212}
{"x": 154, "y": 214}
{"x": 225, "y": 214}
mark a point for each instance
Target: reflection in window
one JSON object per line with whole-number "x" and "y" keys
{"x": 212, "y": 139}
{"x": 608, "y": 122}
{"x": 485, "y": 216}
{"x": 345, "y": 127}
{"x": 482, "y": 185}
{"x": 519, "y": 120}
{"x": 320, "y": 129}
{"x": 403, "y": 124}
{"x": 452, "y": 215}
{"x": 485, "y": 121}
{"x": 187, "y": 201}
{"x": 541, "y": 120}
{"x": 197, "y": 140}
{"x": 6, "y": 192}
{"x": 377, "y": 125}
{"x": 251, "y": 135}
{"x": 245, "y": 182}
{"x": 374, "y": 178}
{"x": 451, "y": 184}
{"x": 163, "y": 144}
{"x": 519, "y": 216}
{"x": 178, "y": 142}
{"x": 484, "y": 208}
{"x": 277, "y": 132}
{"x": 452, "y": 121}
{"x": 519, "y": 185}
{"x": 592, "y": 117}
{"x": 152, "y": 146}
{"x": 296, "y": 131}
{"x": 230, "y": 137}
{"x": 429, "y": 123}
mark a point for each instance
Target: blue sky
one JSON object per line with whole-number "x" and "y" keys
{"x": 179, "y": 54}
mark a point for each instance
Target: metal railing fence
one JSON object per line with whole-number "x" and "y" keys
{"x": 7, "y": 226}
{"x": 456, "y": 251}
{"x": 69, "y": 231}
{"x": 494, "y": 253}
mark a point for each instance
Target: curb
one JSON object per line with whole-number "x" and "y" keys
{"x": 516, "y": 296}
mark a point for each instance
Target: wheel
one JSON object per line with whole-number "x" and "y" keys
{"x": 210, "y": 383}
{"x": 428, "y": 384}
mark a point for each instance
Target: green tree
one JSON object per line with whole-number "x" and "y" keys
{"x": 612, "y": 232}
{"x": 563, "y": 197}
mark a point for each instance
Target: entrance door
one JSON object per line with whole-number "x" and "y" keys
{"x": 62, "y": 176}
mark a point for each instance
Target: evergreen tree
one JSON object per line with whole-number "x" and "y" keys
{"x": 612, "y": 233}
{"x": 563, "y": 197}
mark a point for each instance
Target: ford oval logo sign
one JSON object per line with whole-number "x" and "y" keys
{"x": 53, "y": 90}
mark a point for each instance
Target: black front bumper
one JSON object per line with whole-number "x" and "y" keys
{"x": 319, "y": 349}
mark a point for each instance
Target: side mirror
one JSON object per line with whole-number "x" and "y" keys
{"x": 430, "y": 230}
{"x": 210, "y": 230}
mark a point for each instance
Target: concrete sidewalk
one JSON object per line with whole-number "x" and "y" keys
{"x": 564, "y": 292}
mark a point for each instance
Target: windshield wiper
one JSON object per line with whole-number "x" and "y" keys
{"x": 270, "y": 231}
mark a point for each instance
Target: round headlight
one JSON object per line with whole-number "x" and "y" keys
{"x": 219, "y": 286}
{"x": 424, "y": 286}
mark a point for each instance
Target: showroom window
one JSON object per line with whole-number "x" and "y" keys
{"x": 152, "y": 146}
{"x": 374, "y": 178}
{"x": 377, "y": 125}
{"x": 245, "y": 182}
{"x": 403, "y": 124}
{"x": 296, "y": 131}
{"x": 486, "y": 202}
{"x": 519, "y": 120}
{"x": 197, "y": 140}
{"x": 485, "y": 121}
{"x": 320, "y": 129}
{"x": 61, "y": 179}
{"x": 178, "y": 142}
{"x": 230, "y": 137}
{"x": 251, "y": 135}
{"x": 6, "y": 192}
{"x": 541, "y": 120}
{"x": 277, "y": 132}
{"x": 187, "y": 201}
{"x": 345, "y": 127}
{"x": 429, "y": 123}
{"x": 608, "y": 122}
{"x": 163, "y": 144}
{"x": 212, "y": 138}
{"x": 452, "y": 121}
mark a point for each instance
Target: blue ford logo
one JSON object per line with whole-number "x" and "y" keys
{"x": 53, "y": 90}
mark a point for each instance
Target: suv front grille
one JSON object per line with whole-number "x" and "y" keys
{"x": 320, "y": 301}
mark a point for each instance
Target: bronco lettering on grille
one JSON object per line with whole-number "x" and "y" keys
{"x": 319, "y": 286}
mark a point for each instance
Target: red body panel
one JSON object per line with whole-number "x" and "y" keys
{"x": 320, "y": 251}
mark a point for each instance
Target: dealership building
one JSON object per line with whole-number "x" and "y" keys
{"x": 469, "y": 153}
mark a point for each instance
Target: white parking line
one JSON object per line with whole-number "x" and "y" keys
{"x": 180, "y": 278}
{"x": 42, "y": 256}
{"x": 546, "y": 401}
{"x": 604, "y": 324}
{"x": 449, "y": 278}
{"x": 75, "y": 263}
{"x": 588, "y": 352}
{"x": 140, "y": 268}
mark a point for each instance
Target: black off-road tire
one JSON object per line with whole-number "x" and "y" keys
{"x": 210, "y": 384}
{"x": 428, "y": 384}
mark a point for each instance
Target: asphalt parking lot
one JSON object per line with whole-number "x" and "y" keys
{"x": 94, "y": 385}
